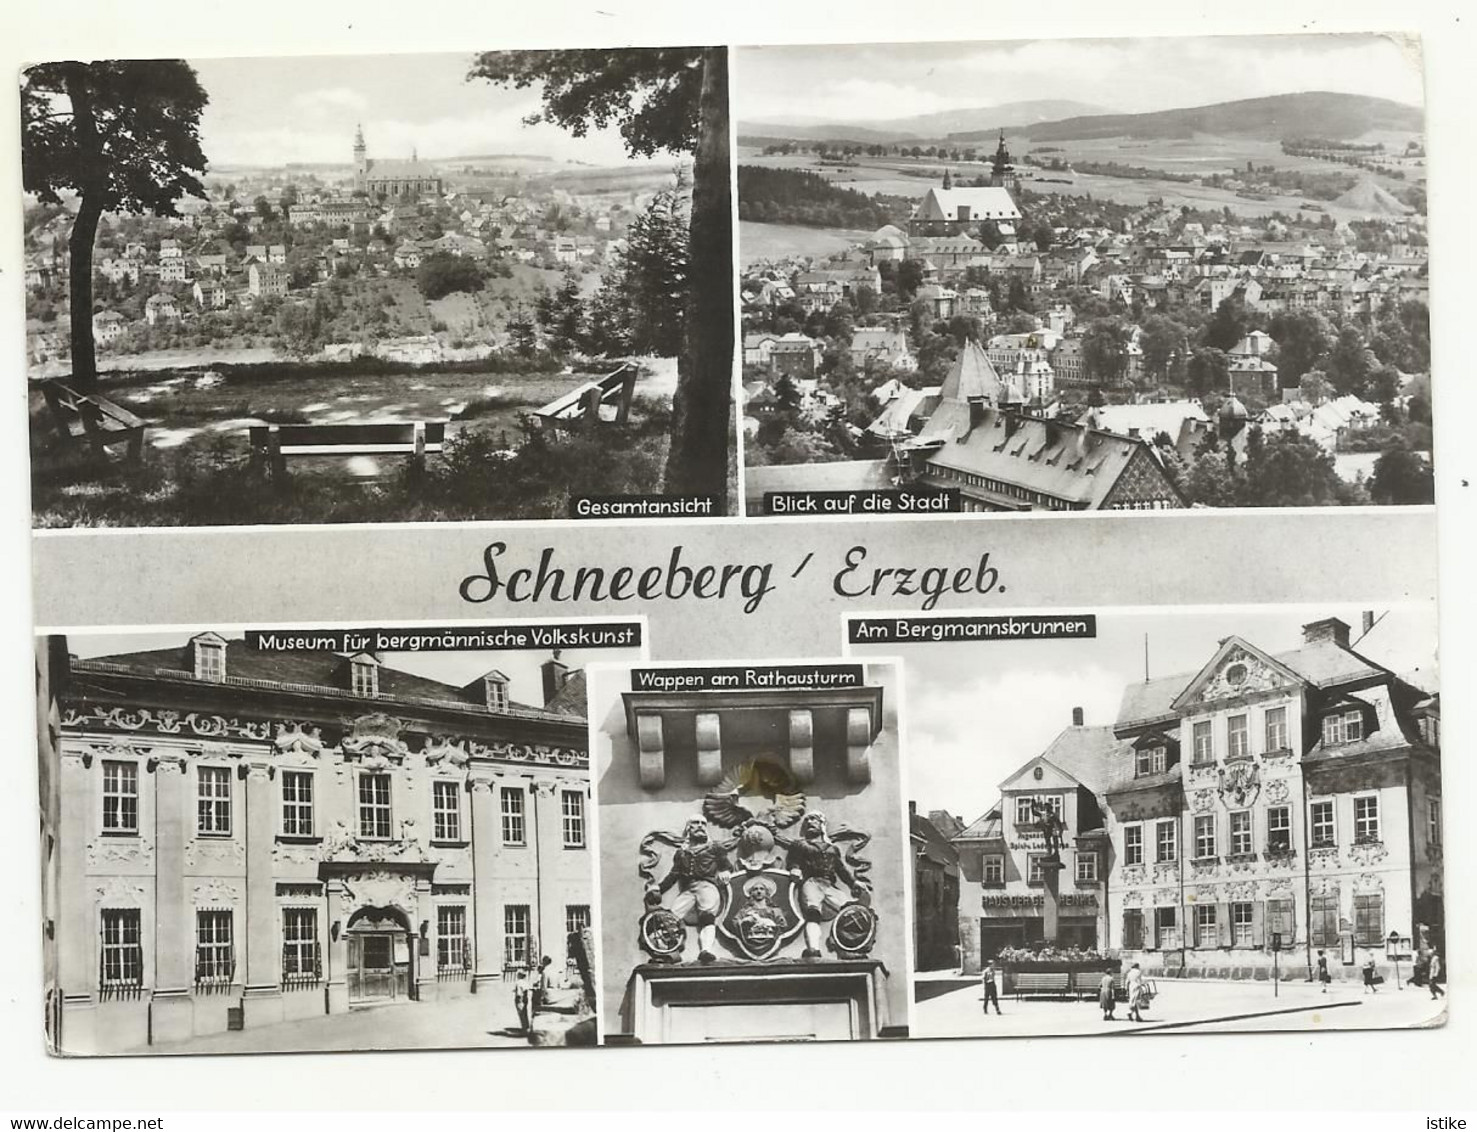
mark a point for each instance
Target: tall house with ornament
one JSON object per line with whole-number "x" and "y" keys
{"x": 1272, "y": 805}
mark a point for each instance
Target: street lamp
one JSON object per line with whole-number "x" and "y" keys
{"x": 1392, "y": 952}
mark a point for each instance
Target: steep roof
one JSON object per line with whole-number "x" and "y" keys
{"x": 390, "y": 170}
{"x": 840, "y": 475}
{"x": 935, "y": 846}
{"x": 972, "y": 376}
{"x": 309, "y": 669}
{"x": 986, "y": 827}
{"x": 992, "y": 203}
{"x": 1070, "y": 462}
{"x": 571, "y": 699}
{"x": 1082, "y": 751}
{"x": 1150, "y": 701}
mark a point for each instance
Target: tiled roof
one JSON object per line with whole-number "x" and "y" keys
{"x": 983, "y": 828}
{"x": 936, "y": 846}
{"x": 1150, "y": 700}
{"x": 1071, "y": 462}
{"x": 1083, "y": 753}
{"x": 841, "y": 475}
{"x": 305, "y": 670}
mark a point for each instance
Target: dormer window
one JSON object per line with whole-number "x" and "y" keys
{"x": 210, "y": 658}
{"x": 1345, "y": 726}
{"x": 364, "y": 677}
{"x": 1152, "y": 760}
{"x": 496, "y": 687}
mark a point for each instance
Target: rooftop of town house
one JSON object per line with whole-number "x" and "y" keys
{"x": 839, "y": 475}
{"x": 933, "y": 844}
{"x": 1074, "y": 463}
{"x": 322, "y": 672}
{"x": 987, "y": 827}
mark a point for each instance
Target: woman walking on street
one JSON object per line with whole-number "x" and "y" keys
{"x": 1323, "y": 976}
{"x": 1434, "y": 974}
{"x": 1135, "y": 992}
{"x": 1106, "y": 996}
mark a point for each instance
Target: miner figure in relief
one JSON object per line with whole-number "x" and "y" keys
{"x": 819, "y": 864}
{"x": 699, "y": 864}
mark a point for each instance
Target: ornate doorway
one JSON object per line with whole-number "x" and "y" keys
{"x": 379, "y": 957}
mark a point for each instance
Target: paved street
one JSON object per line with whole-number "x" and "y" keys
{"x": 477, "y": 1020}
{"x": 948, "y": 1008}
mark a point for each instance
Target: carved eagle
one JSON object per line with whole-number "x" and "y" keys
{"x": 755, "y": 778}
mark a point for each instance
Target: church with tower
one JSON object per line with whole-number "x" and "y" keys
{"x": 392, "y": 180}
{"x": 953, "y": 211}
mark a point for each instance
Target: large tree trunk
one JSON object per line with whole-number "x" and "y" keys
{"x": 84, "y": 231}
{"x": 697, "y": 462}
{"x": 79, "y": 247}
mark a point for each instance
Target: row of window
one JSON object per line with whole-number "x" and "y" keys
{"x": 121, "y": 962}
{"x": 375, "y": 810}
{"x": 1238, "y": 735}
{"x": 1241, "y": 832}
{"x": 1249, "y": 923}
{"x": 1085, "y": 868}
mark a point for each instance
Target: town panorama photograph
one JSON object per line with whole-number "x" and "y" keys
{"x": 1087, "y": 274}
{"x": 376, "y": 288}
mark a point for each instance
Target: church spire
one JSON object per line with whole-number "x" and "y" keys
{"x": 948, "y": 179}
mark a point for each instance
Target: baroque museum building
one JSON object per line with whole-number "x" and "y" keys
{"x": 238, "y": 837}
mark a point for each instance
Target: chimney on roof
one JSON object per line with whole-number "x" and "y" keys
{"x": 1077, "y": 717}
{"x": 912, "y": 808}
{"x": 1366, "y": 623}
{"x": 556, "y": 675}
{"x": 1328, "y": 629}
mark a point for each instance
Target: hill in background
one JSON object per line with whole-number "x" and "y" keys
{"x": 1318, "y": 114}
{"x": 918, "y": 127}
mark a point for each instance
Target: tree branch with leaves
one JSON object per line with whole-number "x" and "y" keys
{"x": 662, "y": 100}
{"x": 123, "y": 136}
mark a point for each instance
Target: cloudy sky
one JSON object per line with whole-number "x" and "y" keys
{"x": 977, "y": 712}
{"x": 272, "y": 111}
{"x": 1128, "y": 75}
{"x": 520, "y": 666}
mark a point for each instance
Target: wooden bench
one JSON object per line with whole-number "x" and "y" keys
{"x": 273, "y": 444}
{"x": 1058, "y": 983}
{"x": 1086, "y": 983}
{"x": 86, "y": 416}
{"x": 582, "y": 405}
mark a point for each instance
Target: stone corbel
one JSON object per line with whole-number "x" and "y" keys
{"x": 651, "y": 747}
{"x": 802, "y": 746}
{"x": 173, "y": 762}
{"x": 858, "y": 746}
{"x": 709, "y": 748}
{"x": 258, "y": 771}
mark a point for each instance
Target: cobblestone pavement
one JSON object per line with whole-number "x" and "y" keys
{"x": 476, "y": 1020}
{"x": 952, "y": 1007}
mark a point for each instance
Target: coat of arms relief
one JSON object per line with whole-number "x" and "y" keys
{"x": 772, "y": 874}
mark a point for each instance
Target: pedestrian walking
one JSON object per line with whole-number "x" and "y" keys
{"x": 1372, "y": 978}
{"x": 1435, "y": 972}
{"x": 987, "y": 978}
{"x": 1323, "y": 975}
{"x": 1135, "y": 993}
{"x": 1107, "y": 997}
{"x": 522, "y": 1000}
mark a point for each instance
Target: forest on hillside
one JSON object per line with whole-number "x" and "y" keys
{"x": 793, "y": 196}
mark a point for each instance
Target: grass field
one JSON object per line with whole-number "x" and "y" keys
{"x": 900, "y": 176}
{"x": 195, "y": 467}
{"x": 775, "y": 241}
